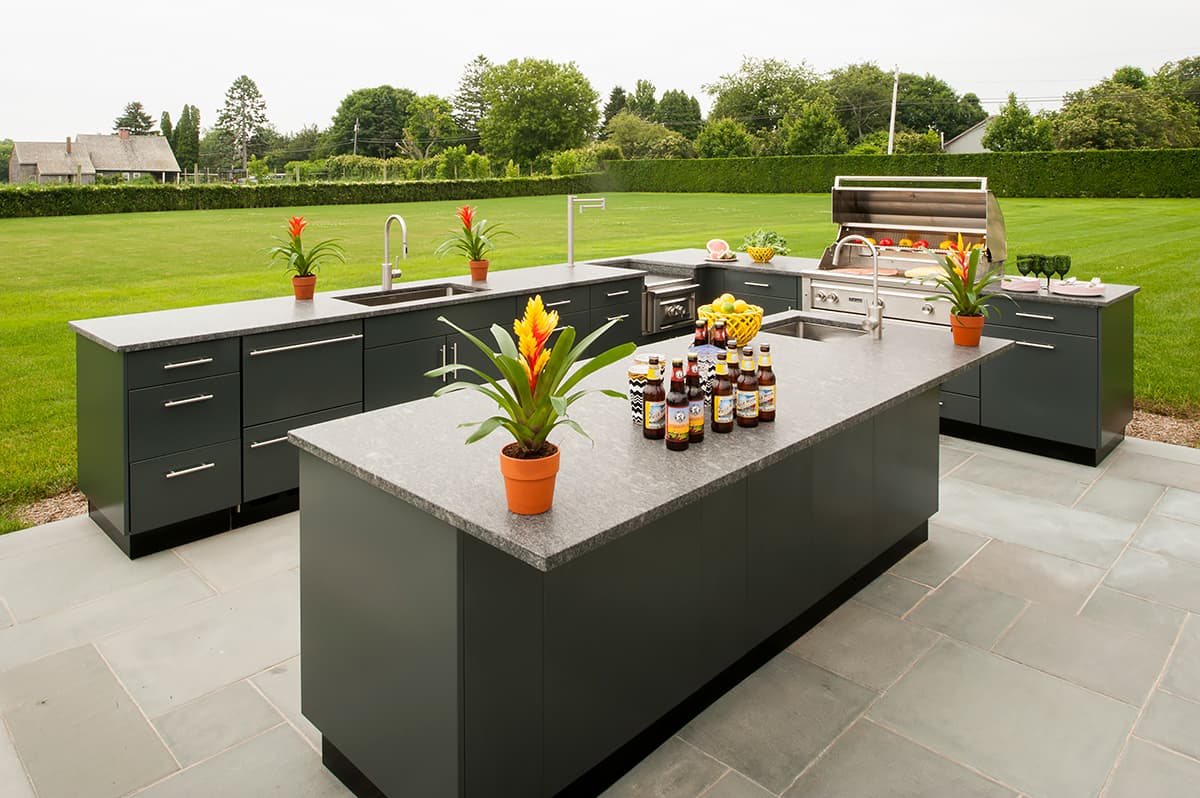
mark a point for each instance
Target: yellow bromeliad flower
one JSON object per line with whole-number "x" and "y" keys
{"x": 533, "y": 330}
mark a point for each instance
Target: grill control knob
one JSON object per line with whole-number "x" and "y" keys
{"x": 822, "y": 296}
{"x": 927, "y": 309}
{"x": 832, "y": 297}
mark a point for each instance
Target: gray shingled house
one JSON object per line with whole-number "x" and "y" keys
{"x": 91, "y": 155}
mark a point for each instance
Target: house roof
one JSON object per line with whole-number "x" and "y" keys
{"x": 983, "y": 123}
{"x": 52, "y": 158}
{"x": 132, "y": 154}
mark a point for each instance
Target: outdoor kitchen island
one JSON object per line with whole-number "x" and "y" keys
{"x": 451, "y": 648}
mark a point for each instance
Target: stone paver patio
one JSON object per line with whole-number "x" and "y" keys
{"x": 1045, "y": 642}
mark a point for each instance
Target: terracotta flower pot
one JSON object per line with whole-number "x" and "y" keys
{"x": 303, "y": 286}
{"x": 478, "y": 270}
{"x": 529, "y": 484}
{"x": 966, "y": 329}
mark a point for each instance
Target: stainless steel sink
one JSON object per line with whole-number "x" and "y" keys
{"x": 813, "y": 331}
{"x": 398, "y": 296}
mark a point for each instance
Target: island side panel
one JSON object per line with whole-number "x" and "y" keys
{"x": 1116, "y": 373}
{"x": 379, "y": 631}
{"x": 906, "y": 454}
{"x": 100, "y": 423}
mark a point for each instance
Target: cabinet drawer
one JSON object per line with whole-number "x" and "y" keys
{"x": 1026, "y": 315}
{"x": 292, "y": 372}
{"x": 565, "y": 300}
{"x": 183, "y": 485}
{"x": 966, "y": 383}
{"x": 183, "y": 415}
{"x": 770, "y": 304}
{"x": 412, "y": 325}
{"x": 184, "y": 362}
{"x": 616, "y": 293}
{"x": 269, "y": 463}
{"x": 959, "y": 407}
{"x": 629, "y": 328}
{"x": 782, "y": 286}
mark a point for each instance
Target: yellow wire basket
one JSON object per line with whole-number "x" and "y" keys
{"x": 742, "y": 326}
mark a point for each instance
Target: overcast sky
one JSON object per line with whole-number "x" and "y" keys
{"x": 70, "y": 67}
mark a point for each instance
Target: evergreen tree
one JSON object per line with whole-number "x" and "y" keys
{"x": 243, "y": 115}
{"x": 1015, "y": 129}
{"x": 135, "y": 118}
{"x": 164, "y": 127}
{"x": 468, "y": 104}
{"x": 618, "y": 101}
{"x": 679, "y": 112}
{"x": 642, "y": 102}
{"x": 186, "y": 138}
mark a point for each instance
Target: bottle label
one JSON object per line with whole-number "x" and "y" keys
{"x": 723, "y": 409}
{"x": 764, "y": 361}
{"x": 766, "y": 398}
{"x": 696, "y": 415}
{"x": 678, "y": 423}
{"x": 656, "y": 414}
{"x": 747, "y": 404}
{"x": 748, "y": 364}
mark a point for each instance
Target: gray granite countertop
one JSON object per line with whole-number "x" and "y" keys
{"x": 207, "y": 322}
{"x": 415, "y": 450}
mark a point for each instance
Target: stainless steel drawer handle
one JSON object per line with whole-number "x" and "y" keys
{"x": 616, "y": 293}
{"x": 1037, "y": 316}
{"x": 559, "y": 302}
{"x": 204, "y": 397}
{"x": 192, "y": 470}
{"x": 618, "y": 318}
{"x": 305, "y": 345}
{"x": 271, "y": 442}
{"x": 200, "y": 361}
{"x": 1032, "y": 345}
{"x": 673, "y": 301}
{"x": 756, "y": 285}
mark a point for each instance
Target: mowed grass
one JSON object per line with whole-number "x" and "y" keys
{"x": 58, "y": 269}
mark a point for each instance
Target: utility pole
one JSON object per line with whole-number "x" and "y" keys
{"x": 356, "y": 134}
{"x": 892, "y": 125}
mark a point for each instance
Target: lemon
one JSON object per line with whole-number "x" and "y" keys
{"x": 726, "y": 297}
{"x": 706, "y": 308}
{"x": 740, "y": 306}
{"x": 727, "y": 307}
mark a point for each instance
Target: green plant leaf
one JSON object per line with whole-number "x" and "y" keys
{"x": 618, "y": 352}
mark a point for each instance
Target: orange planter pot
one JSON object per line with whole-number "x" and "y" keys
{"x": 966, "y": 329}
{"x": 478, "y": 270}
{"x": 529, "y": 484}
{"x": 303, "y": 287}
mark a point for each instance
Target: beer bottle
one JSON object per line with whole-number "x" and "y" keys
{"x": 766, "y": 385}
{"x": 695, "y": 397}
{"x": 678, "y": 421}
{"x": 731, "y": 360}
{"x": 654, "y": 402}
{"x": 723, "y": 399}
{"x": 747, "y": 391}
{"x": 719, "y": 334}
{"x": 700, "y": 335}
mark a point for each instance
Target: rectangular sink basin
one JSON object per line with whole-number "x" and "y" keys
{"x": 813, "y": 331}
{"x": 398, "y": 296}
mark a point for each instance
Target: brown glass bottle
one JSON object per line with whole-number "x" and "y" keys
{"x": 654, "y": 402}
{"x": 678, "y": 421}
{"x": 731, "y": 360}
{"x": 719, "y": 334}
{"x": 723, "y": 400}
{"x": 766, "y": 384}
{"x": 699, "y": 335}
{"x": 695, "y": 397}
{"x": 747, "y": 391}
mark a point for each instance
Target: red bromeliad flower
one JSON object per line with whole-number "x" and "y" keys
{"x": 296, "y": 225}
{"x": 467, "y": 214}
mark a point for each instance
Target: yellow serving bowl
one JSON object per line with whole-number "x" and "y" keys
{"x": 742, "y": 326}
{"x": 761, "y": 254}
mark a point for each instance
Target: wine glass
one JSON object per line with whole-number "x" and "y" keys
{"x": 1062, "y": 265}
{"x": 1024, "y": 264}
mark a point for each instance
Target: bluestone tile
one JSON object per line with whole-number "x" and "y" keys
{"x": 76, "y": 729}
{"x": 968, "y": 612}
{"x": 864, "y": 644}
{"x": 281, "y": 685}
{"x": 674, "y": 770}
{"x": 1183, "y": 671}
{"x": 777, "y": 720}
{"x": 1163, "y": 579}
{"x": 6, "y": 619}
{"x": 1167, "y": 451}
{"x": 1025, "y": 459}
{"x": 1172, "y": 721}
{"x": 1108, "y": 659}
{"x": 735, "y": 785}
{"x": 1179, "y": 503}
{"x": 892, "y": 594}
{"x": 22, "y": 541}
{"x": 1171, "y": 537}
{"x": 1032, "y": 522}
{"x": 1157, "y": 621}
{"x": 1119, "y": 497}
{"x": 935, "y": 559}
{"x": 1148, "y": 771}
{"x": 1024, "y": 478}
{"x": 950, "y": 458}
{"x": 1160, "y": 470}
{"x": 871, "y": 761}
{"x": 243, "y": 555}
{"x": 1031, "y": 574}
{"x": 210, "y": 724}
{"x": 13, "y": 781}
{"x": 1025, "y": 728}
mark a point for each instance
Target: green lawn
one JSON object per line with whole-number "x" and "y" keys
{"x": 58, "y": 269}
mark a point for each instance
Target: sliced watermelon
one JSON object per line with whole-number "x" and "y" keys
{"x": 717, "y": 247}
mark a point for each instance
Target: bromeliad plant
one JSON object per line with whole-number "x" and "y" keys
{"x": 473, "y": 239}
{"x": 291, "y": 249}
{"x": 960, "y": 276}
{"x": 538, "y": 388}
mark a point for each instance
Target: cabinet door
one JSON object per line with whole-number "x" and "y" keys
{"x": 770, "y": 304}
{"x": 1045, "y": 387}
{"x": 628, "y": 328}
{"x": 183, "y": 485}
{"x": 762, "y": 283}
{"x": 269, "y": 463}
{"x": 291, "y": 372}
{"x": 396, "y": 373}
{"x": 460, "y": 350}
{"x": 183, "y": 415}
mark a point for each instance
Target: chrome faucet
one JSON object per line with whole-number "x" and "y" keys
{"x": 873, "y": 322}
{"x": 581, "y": 203}
{"x": 388, "y": 272}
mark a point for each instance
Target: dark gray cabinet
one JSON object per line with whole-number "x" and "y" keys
{"x": 628, "y": 327}
{"x": 772, "y": 291}
{"x": 270, "y": 464}
{"x": 293, "y": 372}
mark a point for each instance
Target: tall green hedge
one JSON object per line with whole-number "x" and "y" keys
{"x": 76, "y": 200}
{"x": 1080, "y": 173}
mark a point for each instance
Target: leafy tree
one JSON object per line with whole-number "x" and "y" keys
{"x": 724, "y": 138}
{"x": 862, "y": 95}
{"x": 6, "y": 148}
{"x": 468, "y": 103}
{"x": 761, "y": 92}
{"x": 381, "y": 113}
{"x": 1111, "y": 115}
{"x": 642, "y": 101}
{"x": 243, "y": 115}
{"x": 1131, "y": 76}
{"x": 814, "y": 131}
{"x": 452, "y": 162}
{"x": 215, "y": 150}
{"x": 135, "y": 118}
{"x": 186, "y": 138}
{"x": 640, "y": 138}
{"x": 926, "y": 101}
{"x": 1015, "y": 129}
{"x": 617, "y": 102}
{"x": 536, "y": 107}
{"x": 301, "y": 145}
{"x": 679, "y": 112}
{"x": 164, "y": 126}
{"x": 431, "y": 127}
{"x": 259, "y": 169}
{"x": 477, "y": 166}
{"x": 1180, "y": 79}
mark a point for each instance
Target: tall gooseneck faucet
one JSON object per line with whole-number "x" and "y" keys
{"x": 572, "y": 203}
{"x": 873, "y": 322}
{"x": 388, "y": 272}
